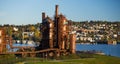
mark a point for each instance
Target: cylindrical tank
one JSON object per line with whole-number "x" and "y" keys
{"x": 72, "y": 43}
{"x": 51, "y": 27}
{"x": 62, "y": 43}
{"x": 2, "y": 41}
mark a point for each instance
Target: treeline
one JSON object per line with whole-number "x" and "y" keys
{"x": 16, "y": 31}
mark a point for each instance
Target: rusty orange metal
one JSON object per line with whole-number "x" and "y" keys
{"x": 56, "y": 37}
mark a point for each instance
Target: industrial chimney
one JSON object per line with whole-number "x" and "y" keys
{"x": 56, "y": 11}
{"x": 43, "y": 16}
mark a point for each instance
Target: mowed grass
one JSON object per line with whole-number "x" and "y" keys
{"x": 70, "y": 59}
{"x": 97, "y": 59}
{"x": 9, "y": 59}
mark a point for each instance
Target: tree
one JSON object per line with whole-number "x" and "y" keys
{"x": 32, "y": 28}
{"x": 36, "y": 35}
{"x": 9, "y": 31}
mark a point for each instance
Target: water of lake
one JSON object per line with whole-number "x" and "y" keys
{"x": 113, "y": 50}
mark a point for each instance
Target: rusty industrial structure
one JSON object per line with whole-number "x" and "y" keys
{"x": 2, "y": 41}
{"x": 57, "y": 38}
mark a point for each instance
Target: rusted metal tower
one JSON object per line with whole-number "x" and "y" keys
{"x": 56, "y": 33}
{"x": 72, "y": 43}
{"x": 2, "y": 40}
{"x": 56, "y": 38}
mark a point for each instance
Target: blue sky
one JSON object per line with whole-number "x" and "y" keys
{"x": 29, "y": 11}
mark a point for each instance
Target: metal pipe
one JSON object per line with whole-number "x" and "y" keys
{"x": 56, "y": 11}
{"x": 43, "y": 16}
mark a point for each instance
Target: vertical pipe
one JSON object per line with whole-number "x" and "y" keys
{"x": 56, "y": 26}
{"x": 56, "y": 11}
{"x": 43, "y": 16}
{"x": 1, "y": 41}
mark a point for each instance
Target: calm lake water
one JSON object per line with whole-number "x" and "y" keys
{"x": 113, "y": 50}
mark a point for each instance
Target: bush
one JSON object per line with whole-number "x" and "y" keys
{"x": 9, "y": 59}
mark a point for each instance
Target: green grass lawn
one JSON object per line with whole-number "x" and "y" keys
{"x": 9, "y": 59}
{"x": 71, "y": 59}
{"x": 96, "y": 59}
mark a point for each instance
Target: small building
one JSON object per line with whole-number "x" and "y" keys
{"x": 112, "y": 42}
{"x": 27, "y": 34}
